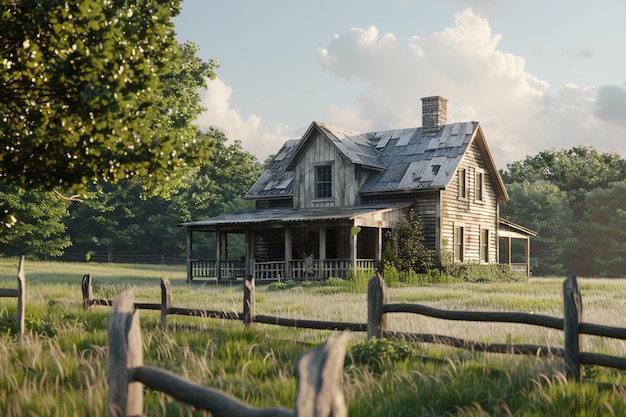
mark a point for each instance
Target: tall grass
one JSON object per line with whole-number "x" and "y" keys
{"x": 59, "y": 367}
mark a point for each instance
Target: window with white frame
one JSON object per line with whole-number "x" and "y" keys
{"x": 323, "y": 181}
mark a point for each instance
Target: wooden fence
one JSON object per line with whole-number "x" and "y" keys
{"x": 571, "y": 324}
{"x": 20, "y": 294}
{"x": 378, "y": 308}
{"x": 318, "y": 373}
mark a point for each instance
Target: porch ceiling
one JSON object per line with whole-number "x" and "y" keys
{"x": 284, "y": 215}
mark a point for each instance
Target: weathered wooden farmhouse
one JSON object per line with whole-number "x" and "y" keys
{"x": 324, "y": 205}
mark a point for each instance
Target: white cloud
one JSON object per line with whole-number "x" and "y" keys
{"x": 519, "y": 113}
{"x": 255, "y": 138}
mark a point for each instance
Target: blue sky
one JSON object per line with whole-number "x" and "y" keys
{"x": 537, "y": 74}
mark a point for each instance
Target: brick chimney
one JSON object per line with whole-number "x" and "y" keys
{"x": 434, "y": 114}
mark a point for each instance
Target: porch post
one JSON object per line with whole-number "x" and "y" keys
{"x": 353, "y": 251}
{"x": 322, "y": 251}
{"x": 218, "y": 254}
{"x": 528, "y": 256}
{"x": 249, "y": 268}
{"x": 379, "y": 247}
{"x": 189, "y": 250}
{"x": 287, "y": 253}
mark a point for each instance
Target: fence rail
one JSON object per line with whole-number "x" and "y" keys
{"x": 378, "y": 308}
{"x": 571, "y": 325}
{"x": 20, "y": 294}
{"x": 318, "y": 372}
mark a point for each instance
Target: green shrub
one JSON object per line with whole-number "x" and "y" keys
{"x": 379, "y": 354}
{"x": 283, "y": 285}
{"x": 475, "y": 272}
{"x": 394, "y": 277}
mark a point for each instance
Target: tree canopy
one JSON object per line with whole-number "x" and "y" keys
{"x": 88, "y": 93}
{"x": 573, "y": 199}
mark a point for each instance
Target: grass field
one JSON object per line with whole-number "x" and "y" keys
{"x": 59, "y": 367}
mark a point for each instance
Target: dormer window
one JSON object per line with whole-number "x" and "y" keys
{"x": 323, "y": 181}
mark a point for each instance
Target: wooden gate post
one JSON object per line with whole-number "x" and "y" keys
{"x": 572, "y": 317}
{"x": 376, "y": 299}
{"x": 166, "y": 300}
{"x": 125, "y": 353}
{"x": 87, "y": 291}
{"x": 248, "y": 300}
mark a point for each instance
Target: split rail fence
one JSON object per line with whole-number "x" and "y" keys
{"x": 318, "y": 373}
{"x": 20, "y": 294}
{"x": 378, "y": 309}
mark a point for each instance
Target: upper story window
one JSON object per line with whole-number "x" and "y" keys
{"x": 479, "y": 186}
{"x": 323, "y": 181}
{"x": 462, "y": 173}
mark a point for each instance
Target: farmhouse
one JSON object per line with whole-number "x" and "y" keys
{"x": 325, "y": 203}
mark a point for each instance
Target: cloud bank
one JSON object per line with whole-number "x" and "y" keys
{"x": 520, "y": 114}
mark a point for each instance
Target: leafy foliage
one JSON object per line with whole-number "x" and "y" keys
{"x": 410, "y": 252}
{"x": 40, "y": 230}
{"x": 560, "y": 194}
{"x": 605, "y": 237}
{"x": 379, "y": 354}
{"x": 127, "y": 217}
{"x": 84, "y": 96}
{"x": 545, "y": 208}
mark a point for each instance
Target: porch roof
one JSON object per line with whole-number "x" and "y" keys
{"x": 287, "y": 214}
{"x": 507, "y": 228}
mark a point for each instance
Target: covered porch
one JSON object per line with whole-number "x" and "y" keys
{"x": 289, "y": 244}
{"x": 514, "y": 246}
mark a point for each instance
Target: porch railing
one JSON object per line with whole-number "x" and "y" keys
{"x": 208, "y": 268}
{"x": 276, "y": 270}
{"x": 520, "y": 268}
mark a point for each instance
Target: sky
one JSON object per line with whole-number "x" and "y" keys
{"x": 538, "y": 75}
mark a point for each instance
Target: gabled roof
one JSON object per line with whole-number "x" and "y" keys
{"x": 276, "y": 181}
{"x": 355, "y": 146}
{"x": 401, "y": 160}
{"x": 415, "y": 160}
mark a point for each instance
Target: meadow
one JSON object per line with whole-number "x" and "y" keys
{"x": 59, "y": 367}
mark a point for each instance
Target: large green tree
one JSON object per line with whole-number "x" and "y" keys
{"x": 544, "y": 208}
{"x": 576, "y": 173}
{"x": 127, "y": 217}
{"x": 41, "y": 229}
{"x": 604, "y": 240}
{"x": 83, "y": 93}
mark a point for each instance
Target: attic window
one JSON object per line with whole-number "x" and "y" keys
{"x": 479, "y": 184}
{"x": 323, "y": 181}
{"x": 462, "y": 195}
{"x": 436, "y": 169}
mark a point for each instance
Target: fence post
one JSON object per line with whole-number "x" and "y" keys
{"x": 318, "y": 373}
{"x": 248, "y": 300}
{"x": 125, "y": 351}
{"x": 376, "y": 299}
{"x": 21, "y": 297}
{"x": 166, "y": 300}
{"x": 87, "y": 291}
{"x": 572, "y": 317}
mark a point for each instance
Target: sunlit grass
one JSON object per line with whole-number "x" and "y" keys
{"x": 59, "y": 367}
